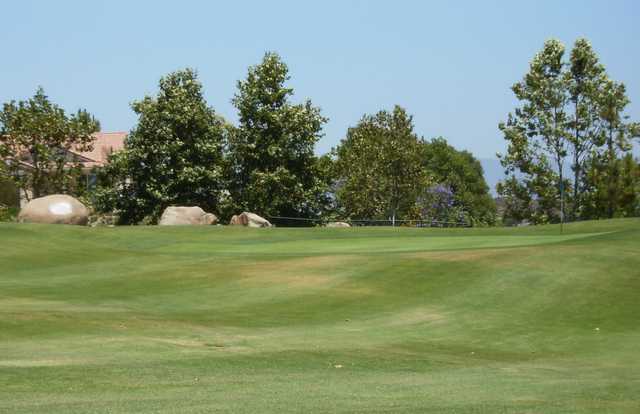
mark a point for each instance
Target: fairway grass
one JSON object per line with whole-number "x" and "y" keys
{"x": 366, "y": 320}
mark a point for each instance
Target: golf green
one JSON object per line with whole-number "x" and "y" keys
{"x": 223, "y": 319}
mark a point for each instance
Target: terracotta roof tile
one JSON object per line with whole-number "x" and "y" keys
{"x": 105, "y": 144}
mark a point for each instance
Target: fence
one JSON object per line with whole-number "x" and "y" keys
{"x": 280, "y": 221}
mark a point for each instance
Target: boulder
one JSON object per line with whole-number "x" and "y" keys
{"x": 338, "y": 224}
{"x": 185, "y": 216}
{"x": 54, "y": 209}
{"x": 249, "y": 220}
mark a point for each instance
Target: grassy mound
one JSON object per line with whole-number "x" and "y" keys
{"x": 199, "y": 320}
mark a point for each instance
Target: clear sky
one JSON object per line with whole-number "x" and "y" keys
{"x": 450, "y": 63}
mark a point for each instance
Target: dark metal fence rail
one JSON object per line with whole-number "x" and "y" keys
{"x": 281, "y": 221}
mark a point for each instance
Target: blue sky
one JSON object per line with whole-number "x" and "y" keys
{"x": 449, "y": 63}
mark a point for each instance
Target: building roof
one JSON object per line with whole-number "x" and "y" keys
{"x": 105, "y": 144}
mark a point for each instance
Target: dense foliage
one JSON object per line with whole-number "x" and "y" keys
{"x": 461, "y": 173}
{"x": 570, "y": 118}
{"x": 383, "y": 170}
{"x": 39, "y": 142}
{"x": 272, "y": 166}
{"x": 379, "y": 167}
{"x": 568, "y": 153}
{"x": 172, "y": 157}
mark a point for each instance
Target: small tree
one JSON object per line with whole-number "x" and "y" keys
{"x": 172, "y": 157}
{"x": 39, "y": 142}
{"x": 273, "y": 169}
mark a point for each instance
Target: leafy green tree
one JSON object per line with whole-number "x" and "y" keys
{"x": 629, "y": 194}
{"x": 600, "y": 200}
{"x": 536, "y": 132}
{"x": 379, "y": 167}
{"x": 617, "y": 132}
{"x": 272, "y": 166}
{"x": 39, "y": 142}
{"x": 174, "y": 155}
{"x": 9, "y": 196}
{"x": 326, "y": 174}
{"x": 462, "y": 173}
{"x": 585, "y": 77}
{"x": 568, "y": 108}
{"x": 532, "y": 197}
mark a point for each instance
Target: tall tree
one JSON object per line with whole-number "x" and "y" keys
{"x": 172, "y": 157}
{"x": 585, "y": 78}
{"x": 537, "y": 131}
{"x": 39, "y": 142}
{"x": 567, "y": 108}
{"x": 271, "y": 154}
{"x": 379, "y": 167}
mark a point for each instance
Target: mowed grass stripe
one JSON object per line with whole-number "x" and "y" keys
{"x": 320, "y": 320}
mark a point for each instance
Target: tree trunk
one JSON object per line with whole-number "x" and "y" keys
{"x": 36, "y": 182}
{"x": 561, "y": 194}
{"x": 576, "y": 177}
{"x": 576, "y": 164}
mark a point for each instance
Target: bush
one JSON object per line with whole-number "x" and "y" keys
{"x": 8, "y": 213}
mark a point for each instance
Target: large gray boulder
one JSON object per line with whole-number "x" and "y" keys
{"x": 185, "y": 216}
{"x": 54, "y": 209}
{"x": 249, "y": 220}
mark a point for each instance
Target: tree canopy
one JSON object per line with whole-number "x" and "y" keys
{"x": 272, "y": 166}
{"x": 568, "y": 153}
{"x": 39, "y": 142}
{"x": 174, "y": 155}
{"x": 571, "y": 115}
{"x": 379, "y": 167}
{"x": 463, "y": 177}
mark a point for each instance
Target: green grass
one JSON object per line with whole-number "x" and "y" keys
{"x": 200, "y": 320}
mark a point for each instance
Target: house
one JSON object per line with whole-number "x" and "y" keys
{"x": 104, "y": 144}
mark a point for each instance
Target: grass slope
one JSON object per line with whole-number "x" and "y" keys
{"x": 199, "y": 320}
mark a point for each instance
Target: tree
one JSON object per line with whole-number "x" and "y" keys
{"x": 603, "y": 202}
{"x": 537, "y": 131}
{"x": 584, "y": 80}
{"x": 273, "y": 169}
{"x": 379, "y": 167}
{"x": 532, "y": 197}
{"x": 174, "y": 155}
{"x": 438, "y": 204}
{"x": 39, "y": 142}
{"x": 617, "y": 133}
{"x": 628, "y": 198}
{"x": 460, "y": 173}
